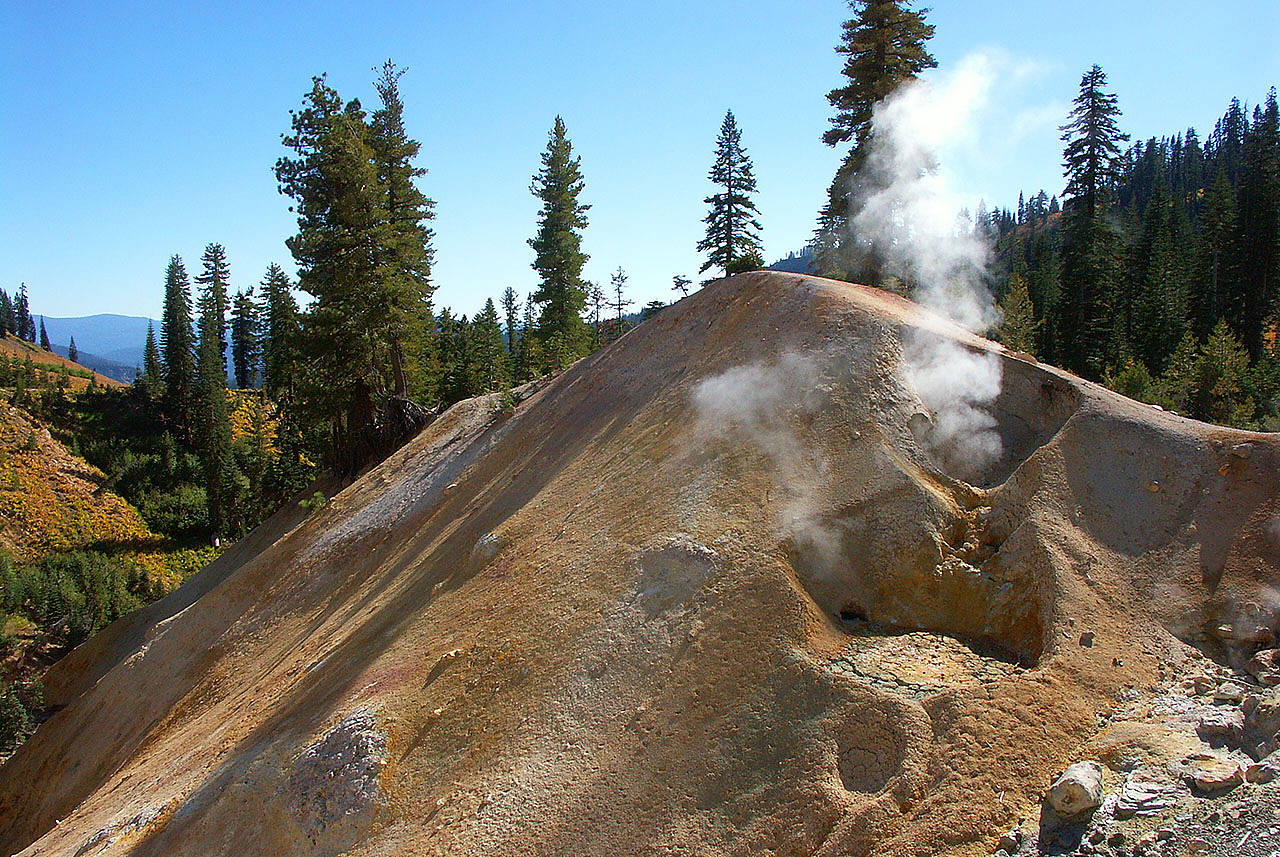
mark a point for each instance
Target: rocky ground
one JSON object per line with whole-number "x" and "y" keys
{"x": 1214, "y": 793}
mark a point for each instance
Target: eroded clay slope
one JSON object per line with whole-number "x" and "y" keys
{"x": 742, "y": 583}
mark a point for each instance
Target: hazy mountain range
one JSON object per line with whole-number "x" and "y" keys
{"x": 109, "y": 344}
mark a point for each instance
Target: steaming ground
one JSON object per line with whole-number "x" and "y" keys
{"x": 745, "y": 582}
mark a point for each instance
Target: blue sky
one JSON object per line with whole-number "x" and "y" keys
{"x": 133, "y": 131}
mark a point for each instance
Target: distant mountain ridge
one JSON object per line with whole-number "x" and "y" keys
{"x": 114, "y": 369}
{"x": 107, "y": 343}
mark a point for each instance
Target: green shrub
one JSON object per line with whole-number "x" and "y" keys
{"x": 314, "y": 503}
{"x": 182, "y": 512}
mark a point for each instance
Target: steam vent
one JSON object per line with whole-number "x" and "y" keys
{"x": 794, "y": 568}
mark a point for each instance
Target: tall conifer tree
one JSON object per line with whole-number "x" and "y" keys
{"x": 339, "y": 203}
{"x": 488, "y": 370}
{"x": 26, "y": 325}
{"x": 510, "y": 311}
{"x": 1157, "y": 303}
{"x": 215, "y": 280}
{"x": 884, "y": 47}
{"x": 8, "y": 318}
{"x": 404, "y": 267}
{"x": 151, "y": 357}
{"x": 281, "y": 330}
{"x": 557, "y": 247}
{"x": 245, "y": 339}
{"x": 732, "y": 241}
{"x": 44, "y": 336}
{"x": 1215, "y": 271}
{"x": 213, "y": 417}
{"x": 73, "y": 353}
{"x": 1090, "y": 274}
{"x": 177, "y": 345}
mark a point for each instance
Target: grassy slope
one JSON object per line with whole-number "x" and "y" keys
{"x": 18, "y": 350}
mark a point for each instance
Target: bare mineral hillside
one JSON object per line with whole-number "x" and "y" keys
{"x": 793, "y": 568}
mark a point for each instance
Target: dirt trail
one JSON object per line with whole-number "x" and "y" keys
{"x": 714, "y": 590}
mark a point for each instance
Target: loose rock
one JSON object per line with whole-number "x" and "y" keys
{"x": 1141, "y": 797}
{"x": 1210, "y": 773}
{"x": 1266, "y": 665}
{"x": 1228, "y": 693}
{"x": 1262, "y": 772}
{"x": 1077, "y": 789}
{"x": 1222, "y": 723}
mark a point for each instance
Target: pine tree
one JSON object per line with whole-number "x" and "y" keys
{"x": 338, "y": 199}
{"x": 1217, "y": 255}
{"x": 8, "y": 319}
{"x": 280, "y": 333}
{"x": 1258, "y": 274}
{"x": 177, "y": 345}
{"x": 884, "y": 47}
{"x": 680, "y": 283}
{"x": 1018, "y": 326}
{"x": 488, "y": 362}
{"x": 1157, "y": 304}
{"x": 404, "y": 289}
{"x": 26, "y": 325}
{"x": 73, "y": 353}
{"x": 527, "y": 354}
{"x": 510, "y": 311}
{"x": 596, "y": 303}
{"x": 215, "y": 281}
{"x": 246, "y": 345}
{"x": 557, "y": 247}
{"x": 151, "y": 370}
{"x": 455, "y": 357}
{"x": 44, "y": 336}
{"x": 733, "y": 233}
{"x": 213, "y": 418}
{"x": 619, "y": 283}
{"x": 1090, "y": 275}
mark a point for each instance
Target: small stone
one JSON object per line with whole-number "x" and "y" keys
{"x": 1116, "y": 839}
{"x": 1140, "y": 797}
{"x": 1249, "y": 704}
{"x": 1222, "y": 722}
{"x": 1264, "y": 663}
{"x": 1264, "y": 720}
{"x": 1228, "y": 693}
{"x": 1164, "y": 834}
{"x": 1077, "y": 789}
{"x": 1198, "y": 848}
{"x": 1262, "y": 772}
{"x": 1145, "y": 844}
{"x": 1210, "y": 773}
{"x": 1010, "y": 840}
{"x": 1202, "y": 683}
{"x": 1086, "y": 639}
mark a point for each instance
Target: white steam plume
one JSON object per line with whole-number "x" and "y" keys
{"x": 759, "y": 401}
{"x": 907, "y": 211}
